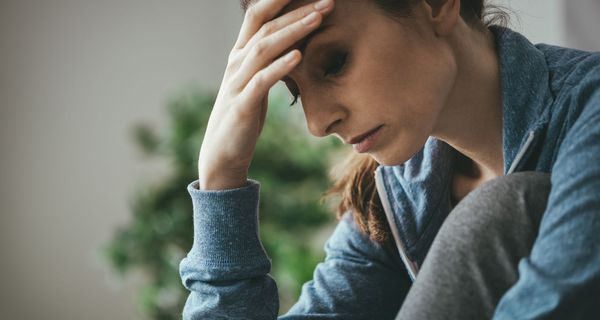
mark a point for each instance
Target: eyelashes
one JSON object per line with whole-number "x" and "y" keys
{"x": 333, "y": 67}
{"x": 291, "y": 85}
{"x": 296, "y": 96}
{"x": 335, "y": 64}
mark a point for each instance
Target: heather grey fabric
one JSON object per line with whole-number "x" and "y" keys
{"x": 473, "y": 260}
{"x": 551, "y": 111}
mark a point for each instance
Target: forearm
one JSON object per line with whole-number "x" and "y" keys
{"x": 227, "y": 268}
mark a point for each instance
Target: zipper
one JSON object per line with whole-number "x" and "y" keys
{"x": 410, "y": 265}
{"x": 521, "y": 152}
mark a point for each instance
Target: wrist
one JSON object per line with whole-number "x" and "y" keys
{"x": 221, "y": 181}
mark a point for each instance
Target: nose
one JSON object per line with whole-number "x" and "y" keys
{"x": 323, "y": 118}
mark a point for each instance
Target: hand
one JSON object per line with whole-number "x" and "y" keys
{"x": 255, "y": 64}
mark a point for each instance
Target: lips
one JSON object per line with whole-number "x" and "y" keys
{"x": 360, "y": 138}
{"x": 366, "y": 141}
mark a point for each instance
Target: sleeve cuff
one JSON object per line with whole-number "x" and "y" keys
{"x": 226, "y": 229}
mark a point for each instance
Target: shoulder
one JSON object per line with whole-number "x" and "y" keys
{"x": 574, "y": 84}
{"x": 572, "y": 70}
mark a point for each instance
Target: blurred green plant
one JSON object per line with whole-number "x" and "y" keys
{"x": 292, "y": 168}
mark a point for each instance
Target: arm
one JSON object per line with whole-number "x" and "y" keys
{"x": 227, "y": 268}
{"x": 561, "y": 277}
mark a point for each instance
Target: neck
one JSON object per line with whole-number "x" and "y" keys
{"x": 471, "y": 122}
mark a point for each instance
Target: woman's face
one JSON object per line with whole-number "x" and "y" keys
{"x": 365, "y": 71}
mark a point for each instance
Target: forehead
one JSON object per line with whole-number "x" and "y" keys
{"x": 343, "y": 9}
{"x": 294, "y": 4}
{"x": 346, "y": 16}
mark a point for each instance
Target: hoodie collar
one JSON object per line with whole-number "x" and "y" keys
{"x": 419, "y": 190}
{"x": 526, "y": 94}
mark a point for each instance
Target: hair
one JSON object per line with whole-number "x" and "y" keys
{"x": 355, "y": 176}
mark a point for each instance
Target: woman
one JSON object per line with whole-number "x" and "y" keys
{"x": 439, "y": 218}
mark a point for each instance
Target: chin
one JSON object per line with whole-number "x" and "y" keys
{"x": 388, "y": 161}
{"x": 395, "y": 157}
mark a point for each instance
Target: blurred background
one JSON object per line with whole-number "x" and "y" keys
{"x": 98, "y": 136}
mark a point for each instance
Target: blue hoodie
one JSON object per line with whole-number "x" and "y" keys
{"x": 551, "y": 123}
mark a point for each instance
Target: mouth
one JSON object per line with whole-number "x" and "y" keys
{"x": 365, "y": 141}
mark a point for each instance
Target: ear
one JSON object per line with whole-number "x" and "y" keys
{"x": 443, "y": 14}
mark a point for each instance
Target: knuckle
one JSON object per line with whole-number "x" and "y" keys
{"x": 232, "y": 69}
{"x": 296, "y": 28}
{"x": 306, "y": 11}
{"x": 259, "y": 49}
{"x": 259, "y": 80}
{"x": 251, "y": 14}
{"x": 234, "y": 60}
{"x": 266, "y": 29}
{"x": 232, "y": 54}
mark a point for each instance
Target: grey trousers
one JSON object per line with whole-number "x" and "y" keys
{"x": 473, "y": 259}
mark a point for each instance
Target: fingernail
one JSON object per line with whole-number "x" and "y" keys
{"x": 322, "y": 4}
{"x": 310, "y": 18}
{"x": 289, "y": 57}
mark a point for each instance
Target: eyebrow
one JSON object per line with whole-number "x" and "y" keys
{"x": 303, "y": 45}
{"x": 306, "y": 42}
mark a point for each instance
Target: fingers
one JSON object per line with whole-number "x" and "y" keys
{"x": 269, "y": 48}
{"x": 262, "y": 81}
{"x": 323, "y": 6}
{"x": 256, "y": 16}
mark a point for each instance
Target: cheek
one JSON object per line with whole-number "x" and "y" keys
{"x": 409, "y": 94}
{"x": 420, "y": 85}
{"x": 438, "y": 81}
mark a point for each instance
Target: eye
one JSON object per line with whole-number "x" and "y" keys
{"x": 335, "y": 64}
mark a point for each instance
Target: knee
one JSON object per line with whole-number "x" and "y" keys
{"x": 502, "y": 207}
{"x": 529, "y": 184}
{"x": 480, "y": 243}
{"x": 521, "y": 191}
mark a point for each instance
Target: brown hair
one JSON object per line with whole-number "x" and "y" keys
{"x": 355, "y": 185}
{"x": 355, "y": 177}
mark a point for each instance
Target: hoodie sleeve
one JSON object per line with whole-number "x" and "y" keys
{"x": 560, "y": 279}
{"x": 226, "y": 271}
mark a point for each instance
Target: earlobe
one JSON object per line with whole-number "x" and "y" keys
{"x": 444, "y": 15}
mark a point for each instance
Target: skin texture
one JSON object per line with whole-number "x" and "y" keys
{"x": 391, "y": 77}
{"x": 426, "y": 75}
{"x": 254, "y": 65}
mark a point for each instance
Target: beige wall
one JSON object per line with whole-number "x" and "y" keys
{"x": 539, "y": 20}
{"x": 74, "y": 76}
{"x": 582, "y": 24}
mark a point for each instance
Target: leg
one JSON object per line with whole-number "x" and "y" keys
{"x": 473, "y": 259}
